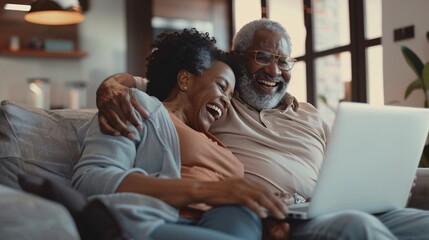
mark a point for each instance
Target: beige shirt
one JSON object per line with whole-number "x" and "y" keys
{"x": 280, "y": 148}
{"x": 204, "y": 157}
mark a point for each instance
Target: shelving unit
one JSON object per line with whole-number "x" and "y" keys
{"x": 42, "y": 54}
{"x": 12, "y": 24}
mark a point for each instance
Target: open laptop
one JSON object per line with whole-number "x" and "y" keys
{"x": 370, "y": 161}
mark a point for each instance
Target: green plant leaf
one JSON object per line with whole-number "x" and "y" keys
{"x": 323, "y": 99}
{"x": 424, "y": 160}
{"x": 425, "y": 77}
{"x": 413, "y": 60}
{"x": 416, "y": 84}
{"x": 425, "y": 81}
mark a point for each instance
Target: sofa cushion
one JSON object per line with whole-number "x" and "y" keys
{"x": 94, "y": 218}
{"x": 27, "y": 217}
{"x": 40, "y": 142}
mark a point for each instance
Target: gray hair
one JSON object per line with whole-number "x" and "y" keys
{"x": 244, "y": 37}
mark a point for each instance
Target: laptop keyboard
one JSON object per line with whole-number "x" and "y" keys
{"x": 302, "y": 207}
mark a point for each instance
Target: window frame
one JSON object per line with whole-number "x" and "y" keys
{"x": 357, "y": 48}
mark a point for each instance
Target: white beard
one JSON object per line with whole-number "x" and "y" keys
{"x": 260, "y": 101}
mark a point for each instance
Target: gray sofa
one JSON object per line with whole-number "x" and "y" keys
{"x": 45, "y": 143}
{"x": 42, "y": 143}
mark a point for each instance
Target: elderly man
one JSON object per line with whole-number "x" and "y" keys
{"x": 280, "y": 142}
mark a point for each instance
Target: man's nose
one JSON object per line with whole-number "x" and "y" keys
{"x": 273, "y": 69}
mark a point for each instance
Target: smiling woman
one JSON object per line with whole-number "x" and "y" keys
{"x": 195, "y": 83}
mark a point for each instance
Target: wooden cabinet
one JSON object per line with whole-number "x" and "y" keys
{"x": 32, "y": 36}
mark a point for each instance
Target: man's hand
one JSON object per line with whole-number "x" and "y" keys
{"x": 275, "y": 230}
{"x": 116, "y": 105}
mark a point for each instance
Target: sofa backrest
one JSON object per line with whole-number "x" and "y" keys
{"x": 40, "y": 142}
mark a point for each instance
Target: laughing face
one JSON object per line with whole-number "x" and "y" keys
{"x": 209, "y": 95}
{"x": 263, "y": 87}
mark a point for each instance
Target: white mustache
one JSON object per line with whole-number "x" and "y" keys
{"x": 262, "y": 75}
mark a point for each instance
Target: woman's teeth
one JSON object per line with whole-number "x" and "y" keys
{"x": 216, "y": 111}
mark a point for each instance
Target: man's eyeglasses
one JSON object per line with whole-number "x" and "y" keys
{"x": 264, "y": 58}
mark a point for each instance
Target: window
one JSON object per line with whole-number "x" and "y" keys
{"x": 245, "y": 11}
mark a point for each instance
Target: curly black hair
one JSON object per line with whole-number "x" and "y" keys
{"x": 189, "y": 50}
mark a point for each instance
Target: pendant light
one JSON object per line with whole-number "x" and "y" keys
{"x": 55, "y": 12}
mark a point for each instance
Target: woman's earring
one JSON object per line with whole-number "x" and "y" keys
{"x": 185, "y": 88}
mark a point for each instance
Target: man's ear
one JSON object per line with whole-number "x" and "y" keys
{"x": 184, "y": 79}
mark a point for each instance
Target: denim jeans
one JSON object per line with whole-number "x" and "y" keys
{"x": 396, "y": 224}
{"x": 231, "y": 222}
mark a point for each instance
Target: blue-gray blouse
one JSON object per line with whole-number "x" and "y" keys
{"x": 106, "y": 160}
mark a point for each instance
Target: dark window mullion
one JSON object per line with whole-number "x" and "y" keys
{"x": 357, "y": 36}
{"x": 331, "y": 51}
{"x": 309, "y": 54}
{"x": 372, "y": 42}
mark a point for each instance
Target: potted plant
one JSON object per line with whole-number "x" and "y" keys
{"x": 421, "y": 83}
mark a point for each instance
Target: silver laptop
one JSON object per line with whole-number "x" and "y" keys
{"x": 370, "y": 161}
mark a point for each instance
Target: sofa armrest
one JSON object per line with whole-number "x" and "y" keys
{"x": 420, "y": 192}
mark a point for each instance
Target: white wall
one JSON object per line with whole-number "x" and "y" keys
{"x": 397, "y": 73}
{"x": 102, "y": 35}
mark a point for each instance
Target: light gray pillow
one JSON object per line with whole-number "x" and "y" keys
{"x": 37, "y": 141}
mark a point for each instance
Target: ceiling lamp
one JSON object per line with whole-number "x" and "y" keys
{"x": 55, "y": 12}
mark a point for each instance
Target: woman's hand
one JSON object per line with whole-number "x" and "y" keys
{"x": 182, "y": 192}
{"x": 116, "y": 105}
{"x": 241, "y": 191}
